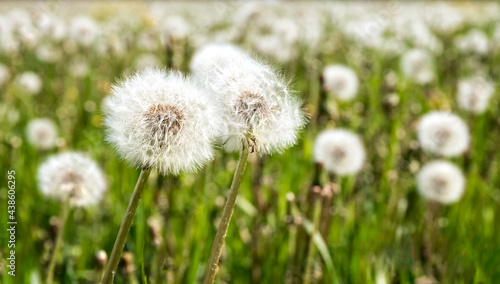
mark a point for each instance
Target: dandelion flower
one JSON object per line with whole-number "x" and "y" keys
{"x": 417, "y": 64}
{"x": 475, "y": 41}
{"x": 256, "y": 103}
{"x": 474, "y": 94}
{"x": 42, "y": 133}
{"x": 340, "y": 151}
{"x": 443, "y": 133}
{"x": 84, "y": 30}
{"x": 441, "y": 181}
{"x": 72, "y": 177}
{"x": 30, "y": 82}
{"x": 210, "y": 58}
{"x": 341, "y": 81}
{"x": 161, "y": 120}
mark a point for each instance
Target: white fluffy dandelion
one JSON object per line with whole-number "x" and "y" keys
{"x": 441, "y": 181}
{"x": 210, "y": 58}
{"x": 340, "y": 151}
{"x": 42, "y": 133}
{"x": 341, "y": 81}
{"x": 417, "y": 64}
{"x": 72, "y": 177}
{"x": 474, "y": 94}
{"x": 30, "y": 82}
{"x": 443, "y": 133}
{"x": 84, "y": 30}
{"x": 475, "y": 41}
{"x": 161, "y": 120}
{"x": 256, "y": 103}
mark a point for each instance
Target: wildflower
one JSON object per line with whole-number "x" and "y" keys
{"x": 84, "y": 30}
{"x": 441, "y": 181}
{"x": 341, "y": 81}
{"x": 30, "y": 82}
{"x": 72, "y": 177}
{"x": 42, "y": 133}
{"x": 475, "y": 41}
{"x": 417, "y": 64}
{"x": 256, "y": 103}
{"x": 340, "y": 151}
{"x": 443, "y": 133}
{"x": 474, "y": 94}
{"x": 161, "y": 120}
{"x": 211, "y": 58}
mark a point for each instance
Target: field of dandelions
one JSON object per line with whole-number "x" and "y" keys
{"x": 371, "y": 134}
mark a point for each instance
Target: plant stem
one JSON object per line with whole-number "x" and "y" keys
{"x": 125, "y": 227}
{"x": 59, "y": 241}
{"x": 310, "y": 251}
{"x": 216, "y": 252}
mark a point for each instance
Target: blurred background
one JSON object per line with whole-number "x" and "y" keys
{"x": 59, "y": 59}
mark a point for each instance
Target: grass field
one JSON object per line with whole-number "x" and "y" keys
{"x": 381, "y": 229}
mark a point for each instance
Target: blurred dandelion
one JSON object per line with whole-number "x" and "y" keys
{"x": 417, "y": 64}
{"x": 474, "y": 94}
{"x": 474, "y": 41}
{"x": 339, "y": 151}
{"x": 443, "y": 133}
{"x": 30, "y": 82}
{"x": 83, "y": 30}
{"x": 75, "y": 180}
{"x": 441, "y": 181}
{"x": 42, "y": 133}
{"x": 72, "y": 177}
{"x": 340, "y": 81}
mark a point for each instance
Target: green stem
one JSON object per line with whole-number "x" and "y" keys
{"x": 213, "y": 262}
{"x": 59, "y": 241}
{"x": 125, "y": 227}
{"x": 310, "y": 251}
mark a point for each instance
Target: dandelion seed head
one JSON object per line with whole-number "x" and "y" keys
{"x": 475, "y": 41}
{"x": 340, "y": 151}
{"x": 341, "y": 81}
{"x": 42, "y": 133}
{"x": 30, "y": 82}
{"x": 72, "y": 177}
{"x": 84, "y": 30}
{"x": 208, "y": 59}
{"x": 255, "y": 102}
{"x": 443, "y": 133}
{"x": 162, "y": 120}
{"x": 441, "y": 181}
{"x": 417, "y": 64}
{"x": 474, "y": 94}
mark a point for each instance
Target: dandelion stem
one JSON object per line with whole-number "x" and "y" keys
{"x": 59, "y": 241}
{"x": 216, "y": 252}
{"x": 125, "y": 227}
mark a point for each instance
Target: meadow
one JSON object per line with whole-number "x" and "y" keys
{"x": 293, "y": 221}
